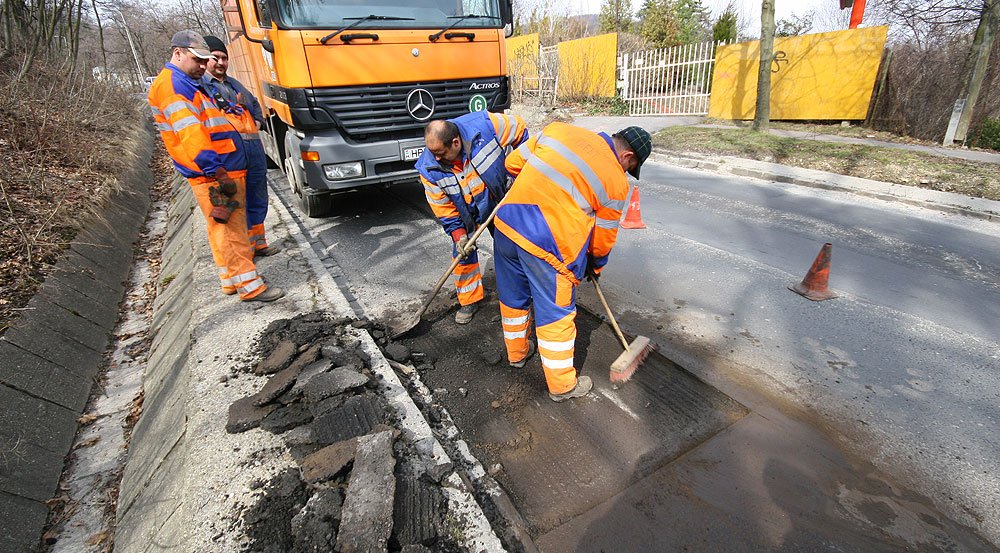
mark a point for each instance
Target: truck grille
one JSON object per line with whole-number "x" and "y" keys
{"x": 370, "y": 111}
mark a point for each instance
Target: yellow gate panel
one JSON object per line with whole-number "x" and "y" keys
{"x": 522, "y": 56}
{"x": 587, "y": 66}
{"x": 818, "y": 76}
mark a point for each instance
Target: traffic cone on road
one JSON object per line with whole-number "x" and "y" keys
{"x": 633, "y": 217}
{"x": 813, "y": 286}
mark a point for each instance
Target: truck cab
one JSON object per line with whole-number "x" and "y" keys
{"x": 349, "y": 85}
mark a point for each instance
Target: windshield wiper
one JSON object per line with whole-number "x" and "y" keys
{"x": 361, "y": 20}
{"x": 460, "y": 18}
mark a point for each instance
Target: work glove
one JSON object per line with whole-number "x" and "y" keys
{"x": 593, "y": 273}
{"x": 226, "y": 183}
{"x": 462, "y": 244}
{"x": 222, "y": 205}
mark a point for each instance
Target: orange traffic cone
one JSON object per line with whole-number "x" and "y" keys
{"x": 813, "y": 286}
{"x": 633, "y": 217}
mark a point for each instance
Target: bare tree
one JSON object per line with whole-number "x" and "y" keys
{"x": 979, "y": 58}
{"x": 762, "y": 117}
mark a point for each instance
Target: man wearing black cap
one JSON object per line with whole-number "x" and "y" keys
{"x": 244, "y": 111}
{"x": 556, "y": 225}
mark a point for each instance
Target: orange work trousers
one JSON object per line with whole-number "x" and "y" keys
{"x": 230, "y": 243}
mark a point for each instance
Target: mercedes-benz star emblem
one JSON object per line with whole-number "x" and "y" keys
{"x": 420, "y": 104}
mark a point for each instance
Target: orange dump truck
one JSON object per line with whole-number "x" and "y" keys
{"x": 347, "y": 86}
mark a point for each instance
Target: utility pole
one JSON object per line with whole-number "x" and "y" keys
{"x": 979, "y": 58}
{"x": 762, "y": 117}
{"x": 138, "y": 69}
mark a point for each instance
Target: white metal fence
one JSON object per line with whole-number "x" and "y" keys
{"x": 668, "y": 81}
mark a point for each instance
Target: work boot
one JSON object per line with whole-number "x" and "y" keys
{"x": 272, "y": 293}
{"x": 531, "y": 351}
{"x": 267, "y": 251}
{"x": 583, "y": 385}
{"x": 465, "y": 313}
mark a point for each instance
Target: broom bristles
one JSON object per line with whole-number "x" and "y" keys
{"x": 628, "y": 362}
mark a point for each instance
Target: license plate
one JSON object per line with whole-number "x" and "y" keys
{"x": 411, "y": 154}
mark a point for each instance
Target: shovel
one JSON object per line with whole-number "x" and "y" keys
{"x": 412, "y": 323}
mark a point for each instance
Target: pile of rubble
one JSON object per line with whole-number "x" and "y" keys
{"x": 357, "y": 485}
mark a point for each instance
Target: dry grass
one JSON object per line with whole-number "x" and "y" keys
{"x": 62, "y": 143}
{"x": 877, "y": 163}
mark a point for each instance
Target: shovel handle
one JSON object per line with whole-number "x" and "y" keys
{"x": 611, "y": 316}
{"x": 451, "y": 269}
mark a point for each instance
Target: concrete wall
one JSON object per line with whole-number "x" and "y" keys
{"x": 522, "y": 56}
{"x": 587, "y": 66}
{"x": 50, "y": 357}
{"x": 817, "y": 76}
{"x": 151, "y": 489}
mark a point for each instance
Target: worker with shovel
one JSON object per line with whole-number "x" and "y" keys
{"x": 462, "y": 170}
{"x": 557, "y": 224}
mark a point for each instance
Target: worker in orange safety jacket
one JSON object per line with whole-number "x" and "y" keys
{"x": 207, "y": 150}
{"x": 462, "y": 170}
{"x": 557, "y": 224}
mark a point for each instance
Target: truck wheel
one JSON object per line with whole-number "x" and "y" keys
{"x": 313, "y": 205}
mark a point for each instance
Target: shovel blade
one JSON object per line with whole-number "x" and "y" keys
{"x": 397, "y": 331}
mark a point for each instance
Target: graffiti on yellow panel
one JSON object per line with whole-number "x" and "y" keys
{"x": 587, "y": 66}
{"x": 522, "y": 56}
{"x": 819, "y": 76}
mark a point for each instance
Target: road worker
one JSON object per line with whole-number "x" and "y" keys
{"x": 209, "y": 152}
{"x": 558, "y": 224}
{"x": 243, "y": 111}
{"x": 462, "y": 170}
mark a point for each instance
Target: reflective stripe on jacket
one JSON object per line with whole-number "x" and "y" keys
{"x": 464, "y": 196}
{"x": 196, "y": 133}
{"x": 567, "y": 198}
{"x": 230, "y": 88}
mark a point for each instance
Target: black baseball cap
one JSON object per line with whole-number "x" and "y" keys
{"x": 215, "y": 44}
{"x": 640, "y": 142}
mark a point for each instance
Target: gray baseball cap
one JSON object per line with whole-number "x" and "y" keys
{"x": 193, "y": 42}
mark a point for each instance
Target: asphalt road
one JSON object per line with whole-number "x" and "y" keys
{"x": 904, "y": 366}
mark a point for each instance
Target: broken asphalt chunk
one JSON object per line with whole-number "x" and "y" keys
{"x": 327, "y": 463}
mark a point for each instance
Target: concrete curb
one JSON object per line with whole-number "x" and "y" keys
{"x": 988, "y": 210}
{"x": 53, "y": 353}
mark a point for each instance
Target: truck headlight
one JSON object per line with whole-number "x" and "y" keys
{"x": 341, "y": 171}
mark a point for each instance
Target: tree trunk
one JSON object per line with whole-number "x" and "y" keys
{"x": 100, "y": 34}
{"x": 979, "y": 59}
{"x": 762, "y": 118}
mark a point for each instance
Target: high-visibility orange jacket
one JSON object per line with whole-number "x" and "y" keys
{"x": 196, "y": 133}
{"x": 463, "y": 194}
{"x": 567, "y": 198}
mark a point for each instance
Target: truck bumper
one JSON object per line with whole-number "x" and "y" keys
{"x": 382, "y": 161}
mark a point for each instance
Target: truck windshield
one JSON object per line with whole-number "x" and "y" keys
{"x": 420, "y": 14}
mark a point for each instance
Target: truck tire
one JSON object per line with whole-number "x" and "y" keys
{"x": 312, "y": 205}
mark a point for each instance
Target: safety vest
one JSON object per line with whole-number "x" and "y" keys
{"x": 198, "y": 136}
{"x": 568, "y": 195}
{"x": 463, "y": 196}
{"x": 239, "y": 116}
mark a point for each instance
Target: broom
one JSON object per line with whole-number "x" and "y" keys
{"x": 625, "y": 366}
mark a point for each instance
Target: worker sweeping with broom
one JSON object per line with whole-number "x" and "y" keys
{"x": 558, "y": 224}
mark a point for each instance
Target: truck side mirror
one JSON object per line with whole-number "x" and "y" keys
{"x": 250, "y": 19}
{"x": 507, "y": 17}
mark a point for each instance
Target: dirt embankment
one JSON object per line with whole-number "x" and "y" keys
{"x": 62, "y": 144}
